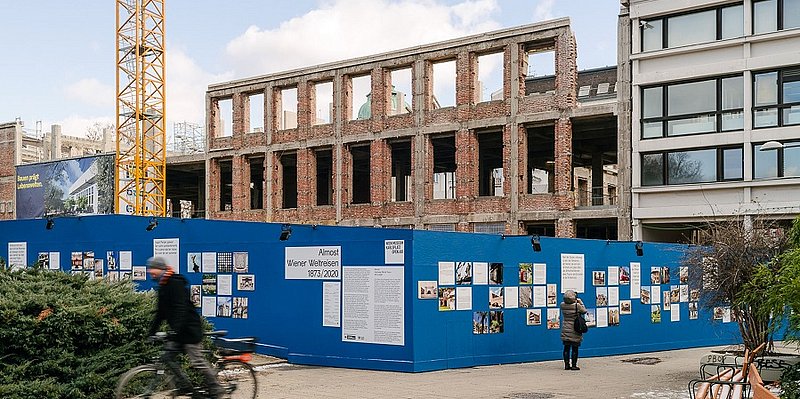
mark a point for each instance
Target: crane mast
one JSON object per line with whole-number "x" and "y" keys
{"x": 140, "y": 179}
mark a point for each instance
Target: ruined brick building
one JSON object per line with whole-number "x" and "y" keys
{"x": 380, "y": 141}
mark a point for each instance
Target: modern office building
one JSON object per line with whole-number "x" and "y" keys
{"x": 496, "y": 132}
{"x": 712, "y": 112}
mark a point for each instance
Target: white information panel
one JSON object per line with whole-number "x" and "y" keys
{"x": 636, "y": 280}
{"x": 394, "y": 252}
{"x": 168, "y": 248}
{"x": 572, "y": 272}
{"x": 331, "y": 303}
{"x": 372, "y": 305}
{"x": 313, "y": 263}
{"x": 17, "y": 255}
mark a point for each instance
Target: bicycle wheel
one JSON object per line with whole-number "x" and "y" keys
{"x": 145, "y": 382}
{"x": 238, "y": 379}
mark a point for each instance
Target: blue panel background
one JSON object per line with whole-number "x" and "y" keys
{"x": 286, "y": 315}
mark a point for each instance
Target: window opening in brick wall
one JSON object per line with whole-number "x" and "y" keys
{"x": 441, "y": 227}
{"x": 289, "y": 180}
{"x": 490, "y": 164}
{"x": 489, "y": 86}
{"x": 360, "y": 99}
{"x": 225, "y": 117}
{"x": 401, "y": 96}
{"x": 256, "y": 113}
{"x": 544, "y": 229}
{"x": 226, "y": 185}
{"x": 541, "y": 160}
{"x": 287, "y": 106}
{"x": 361, "y": 173}
{"x": 323, "y": 102}
{"x": 401, "y": 171}
{"x": 256, "y": 183}
{"x": 598, "y": 229}
{"x": 444, "y": 167}
{"x": 489, "y": 227}
{"x": 540, "y": 70}
{"x": 444, "y": 84}
{"x": 324, "y": 176}
{"x": 594, "y": 160}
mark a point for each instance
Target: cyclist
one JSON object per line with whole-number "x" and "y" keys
{"x": 175, "y": 307}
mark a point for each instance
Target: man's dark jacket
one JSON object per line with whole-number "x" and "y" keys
{"x": 177, "y": 309}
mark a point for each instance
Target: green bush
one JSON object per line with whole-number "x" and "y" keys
{"x": 66, "y": 336}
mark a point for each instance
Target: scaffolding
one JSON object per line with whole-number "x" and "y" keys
{"x": 141, "y": 125}
{"x": 187, "y": 138}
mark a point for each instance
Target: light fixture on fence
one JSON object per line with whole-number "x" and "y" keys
{"x": 50, "y": 223}
{"x": 536, "y": 243}
{"x": 286, "y": 232}
{"x": 153, "y": 224}
{"x": 639, "y": 248}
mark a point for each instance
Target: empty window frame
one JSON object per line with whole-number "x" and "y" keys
{"x": 773, "y": 15}
{"x": 224, "y": 117}
{"x": 444, "y": 84}
{"x": 691, "y": 28}
{"x": 541, "y": 160}
{"x": 401, "y": 171}
{"x": 540, "y": 68}
{"x": 776, "y": 98}
{"x": 225, "y": 185}
{"x": 781, "y": 162}
{"x": 256, "y": 183}
{"x": 288, "y": 180}
{"x": 360, "y": 97}
{"x": 402, "y": 93}
{"x": 489, "y": 86}
{"x": 489, "y": 227}
{"x": 360, "y": 154}
{"x": 490, "y": 164}
{"x": 706, "y": 106}
{"x": 256, "y": 102}
{"x": 692, "y": 166}
{"x": 287, "y": 108}
{"x": 324, "y": 159}
{"x": 444, "y": 167}
{"x": 323, "y": 103}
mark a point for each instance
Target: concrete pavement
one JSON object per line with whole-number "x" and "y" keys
{"x": 654, "y": 375}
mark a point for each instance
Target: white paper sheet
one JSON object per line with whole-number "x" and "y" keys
{"x": 655, "y": 294}
{"x": 463, "y": 298}
{"x": 613, "y": 275}
{"x": 447, "y": 273}
{"x": 511, "y": 297}
{"x": 572, "y": 273}
{"x": 224, "y": 284}
{"x": 602, "y": 317}
{"x": 613, "y": 296}
{"x": 539, "y": 273}
{"x": 539, "y": 296}
{"x": 636, "y": 279}
{"x": 209, "y": 262}
{"x": 675, "y": 312}
{"x": 480, "y": 273}
{"x": 209, "y": 306}
{"x": 331, "y": 303}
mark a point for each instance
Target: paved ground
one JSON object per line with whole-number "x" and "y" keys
{"x": 655, "y": 375}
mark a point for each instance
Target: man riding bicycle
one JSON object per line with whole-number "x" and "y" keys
{"x": 175, "y": 307}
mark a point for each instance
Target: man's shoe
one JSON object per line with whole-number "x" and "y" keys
{"x": 574, "y": 368}
{"x": 567, "y": 367}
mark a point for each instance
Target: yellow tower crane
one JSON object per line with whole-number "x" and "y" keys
{"x": 140, "y": 178}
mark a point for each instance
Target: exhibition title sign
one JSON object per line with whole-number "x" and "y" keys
{"x": 313, "y": 263}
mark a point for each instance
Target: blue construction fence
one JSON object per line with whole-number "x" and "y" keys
{"x": 392, "y": 299}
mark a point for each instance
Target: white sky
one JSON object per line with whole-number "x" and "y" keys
{"x": 58, "y": 63}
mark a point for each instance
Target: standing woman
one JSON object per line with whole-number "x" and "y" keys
{"x": 570, "y": 308}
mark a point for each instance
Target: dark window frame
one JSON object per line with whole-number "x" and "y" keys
{"x": 664, "y": 119}
{"x": 719, "y": 162}
{"x": 779, "y": 105}
{"x": 779, "y": 15}
{"x": 665, "y": 25}
{"x": 781, "y": 164}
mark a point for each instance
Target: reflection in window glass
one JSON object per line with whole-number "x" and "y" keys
{"x": 791, "y": 115}
{"x": 732, "y": 164}
{"x": 692, "y": 28}
{"x": 733, "y": 93}
{"x": 791, "y": 14}
{"x": 791, "y": 89}
{"x": 732, "y": 22}
{"x": 733, "y": 121}
{"x": 653, "y": 102}
{"x": 651, "y": 35}
{"x": 766, "y": 90}
{"x": 766, "y": 117}
{"x": 765, "y": 16}
{"x": 692, "y": 166}
{"x": 791, "y": 159}
{"x": 695, "y": 124}
{"x": 652, "y": 170}
{"x": 652, "y": 129}
{"x": 693, "y": 97}
{"x": 765, "y": 163}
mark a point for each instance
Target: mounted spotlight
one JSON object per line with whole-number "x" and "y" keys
{"x": 639, "y": 248}
{"x": 153, "y": 224}
{"x": 50, "y": 223}
{"x": 536, "y": 244}
{"x": 286, "y": 232}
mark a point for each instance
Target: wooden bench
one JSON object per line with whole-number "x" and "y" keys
{"x": 730, "y": 381}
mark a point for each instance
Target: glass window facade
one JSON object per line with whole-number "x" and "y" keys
{"x": 781, "y": 162}
{"x": 692, "y": 28}
{"x": 775, "y": 15}
{"x": 776, "y": 98}
{"x": 692, "y": 166}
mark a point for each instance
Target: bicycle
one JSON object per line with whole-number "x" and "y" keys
{"x": 231, "y": 360}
